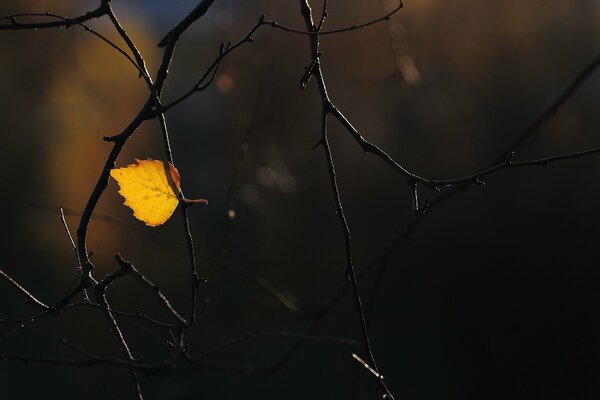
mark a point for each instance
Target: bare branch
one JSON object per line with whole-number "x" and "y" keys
{"x": 25, "y": 292}
{"x": 320, "y": 32}
{"x": 193, "y": 16}
{"x": 64, "y": 22}
{"x": 128, "y": 269}
{"x": 207, "y": 77}
{"x": 328, "y": 107}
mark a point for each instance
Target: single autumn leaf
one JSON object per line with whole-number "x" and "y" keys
{"x": 151, "y": 190}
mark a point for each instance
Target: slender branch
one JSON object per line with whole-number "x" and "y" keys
{"x": 128, "y": 269}
{"x": 198, "y": 12}
{"x": 112, "y": 322}
{"x": 328, "y": 107}
{"x": 367, "y": 366}
{"x": 119, "y": 141}
{"x": 369, "y": 147}
{"x": 154, "y": 109}
{"x": 499, "y": 162}
{"x": 509, "y": 163}
{"x": 139, "y": 60}
{"x": 194, "y": 279}
{"x": 100, "y": 289}
{"x": 26, "y": 324}
{"x": 406, "y": 231}
{"x": 20, "y": 320}
{"x": 208, "y": 75}
{"x": 350, "y": 270}
{"x": 320, "y": 32}
{"x": 64, "y": 22}
{"x": 189, "y": 240}
{"x": 67, "y": 231}
{"x": 87, "y": 29}
{"x": 25, "y": 292}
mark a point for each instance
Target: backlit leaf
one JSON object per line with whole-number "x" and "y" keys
{"x": 150, "y": 189}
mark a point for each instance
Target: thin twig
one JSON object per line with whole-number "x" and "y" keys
{"x": 64, "y": 22}
{"x": 208, "y": 75}
{"x": 25, "y": 292}
{"x": 328, "y": 107}
{"x": 126, "y": 268}
{"x": 335, "y": 31}
{"x": 124, "y": 346}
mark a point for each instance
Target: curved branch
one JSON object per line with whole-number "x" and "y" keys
{"x": 319, "y": 32}
{"x": 63, "y": 23}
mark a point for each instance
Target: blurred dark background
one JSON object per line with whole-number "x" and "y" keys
{"x": 495, "y": 295}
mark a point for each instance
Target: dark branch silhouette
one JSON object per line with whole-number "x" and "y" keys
{"x": 180, "y": 324}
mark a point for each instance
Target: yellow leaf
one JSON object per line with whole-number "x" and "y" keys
{"x": 150, "y": 189}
